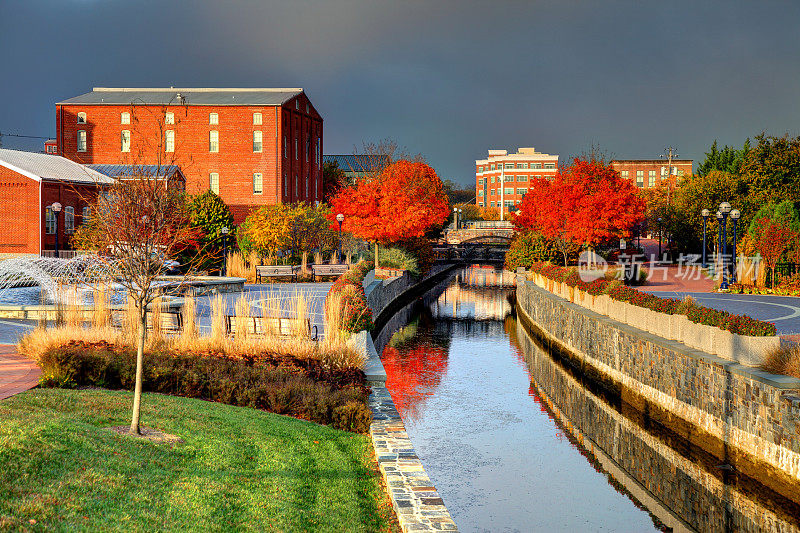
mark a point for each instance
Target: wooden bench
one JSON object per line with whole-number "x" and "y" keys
{"x": 328, "y": 270}
{"x": 171, "y": 320}
{"x": 273, "y": 325}
{"x": 276, "y": 271}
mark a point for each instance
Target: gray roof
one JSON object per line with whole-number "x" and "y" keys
{"x": 357, "y": 163}
{"x": 40, "y": 166}
{"x": 169, "y": 96}
{"x": 117, "y": 171}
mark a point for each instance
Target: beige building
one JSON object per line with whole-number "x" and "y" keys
{"x": 502, "y": 179}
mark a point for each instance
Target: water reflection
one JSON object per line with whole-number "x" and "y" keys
{"x": 514, "y": 440}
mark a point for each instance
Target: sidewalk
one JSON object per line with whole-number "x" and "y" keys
{"x": 17, "y": 373}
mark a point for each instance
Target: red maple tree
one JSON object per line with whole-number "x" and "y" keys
{"x": 401, "y": 202}
{"x": 587, "y": 203}
{"x": 772, "y": 239}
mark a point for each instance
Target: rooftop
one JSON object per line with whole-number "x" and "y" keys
{"x": 38, "y": 166}
{"x": 122, "y": 171}
{"x": 190, "y": 96}
{"x": 357, "y": 162}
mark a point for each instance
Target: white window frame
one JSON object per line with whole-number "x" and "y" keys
{"x": 169, "y": 118}
{"x": 82, "y": 140}
{"x": 81, "y": 117}
{"x": 213, "y": 141}
{"x": 258, "y": 141}
{"x": 213, "y": 118}
{"x": 258, "y": 119}
{"x": 69, "y": 219}
{"x": 169, "y": 141}
{"x": 125, "y": 141}
{"x": 258, "y": 183}
{"x": 536, "y": 166}
{"x": 213, "y": 182}
{"x": 549, "y": 166}
{"x": 125, "y": 118}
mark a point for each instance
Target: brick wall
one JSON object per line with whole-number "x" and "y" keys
{"x": 68, "y": 195}
{"x": 19, "y": 221}
{"x": 632, "y": 166}
{"x": 286, "y": 150}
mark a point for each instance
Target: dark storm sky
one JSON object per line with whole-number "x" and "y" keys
{"x": 447, "y": 79}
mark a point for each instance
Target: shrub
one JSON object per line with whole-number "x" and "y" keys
{"x": 421, "y": 249}
{"x": 393, "y": 257}
{"x": 531, "y": 247}
{"x": 739, "y": 324}
{"x": 347, "y": 295}
{"x": 302, "y": 388}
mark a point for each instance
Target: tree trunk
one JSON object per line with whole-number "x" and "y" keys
{"x": 137, "y": 392}
{"x": 376, "y": 255}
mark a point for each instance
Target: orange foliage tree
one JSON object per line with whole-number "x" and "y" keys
{"x": 772, "y": 239}
{"x": 400, "y": 203}
{"x": 587, "y": 203}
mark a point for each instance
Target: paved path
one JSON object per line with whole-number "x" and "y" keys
{"x": 17, "y": 373}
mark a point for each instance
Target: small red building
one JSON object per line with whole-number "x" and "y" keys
{"x": 29, "y": 184}
{"x": 251, "y": 146}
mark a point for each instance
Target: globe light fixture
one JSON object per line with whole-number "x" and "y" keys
{"x": 725, "y": 208}
{"x": 340, "y": 219}
{"x": 705, "y": 214}
{"x": 56, "y": 208}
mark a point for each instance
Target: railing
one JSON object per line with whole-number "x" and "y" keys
{"x": 486, "y": 224}
{"x": 65, "y": 254}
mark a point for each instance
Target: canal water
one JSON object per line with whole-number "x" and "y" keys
{"x": 515, "y": 440}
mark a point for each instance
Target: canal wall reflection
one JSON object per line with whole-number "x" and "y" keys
{"x": 681, "y": 485}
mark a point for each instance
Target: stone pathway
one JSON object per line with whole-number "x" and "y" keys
{"x": 17, "y": 373}
{"x": 416, "y": 501}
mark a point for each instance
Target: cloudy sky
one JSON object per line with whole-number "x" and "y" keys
{"x": 446, "y": 79}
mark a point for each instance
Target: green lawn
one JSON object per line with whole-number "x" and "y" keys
{"x": 238, "y": 468}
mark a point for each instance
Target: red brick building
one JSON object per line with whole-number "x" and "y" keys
{"x": 29, "y": 184}
{"x": 646, "y": 173}
{"x": 515, "y": 172}
{"x": 251, "y": 146}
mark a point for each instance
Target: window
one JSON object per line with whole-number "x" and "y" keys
{"x": 522, "y": 178}
{"x": 536, "y": 165}
{"x": 257, "y": 146}
{"x": 308, "y": 147}
{"x": 257, "y": 119}
{"x": 306, "y": 185}
{"x": 125, "y": 118}
{"x": 258, "y": 183}
{"x": 549, "y": 166}
{"x": 319, "y": 149}
{"x": 651, "y": 178}
{"x": 213, "y": 182}
{"x": 509, "y": 165}
{"x": 297, "y": 104}
{"x": 213, "y": 118}
{"x": 680, "y": 172}
{"x": 169, "y": 118}
{"x": 522, "y": 191}
{"x": 81, "y": 118}
{"x": 296, "y": 151}
{"x": 86, "y": 215}
{"x": 480, "y": 181}
{"x": 480, "y": 204}
{"x": 480, "y": 192}
{"x": 81, "y": 140}
{"x": 640, "y": 178}
{"x": 308, "y": 110}
{"x": 509, "y": 203}
{"x": 49, "y": 221}
{"x": 522, "y": 165}
{"x": 492, "y": 167}
{"x": 509, "y": 190}
{"x": 285, "y": 146}
{"x": 125, "y": 141}
{"x": 296, "y": 185}
{"x": 508, "y": 178}
{"x": 213, "y": 141}
{"x": 69, "y": 219}
{"x": 285, "y": 185}
{"x": 493, "y": 178}
{"x": 624, "y": 174}
{"x": 169, "y": 141}
{"x": 491, "y": 204}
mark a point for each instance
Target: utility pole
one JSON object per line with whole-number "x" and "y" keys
{"x": 670, "y": 152}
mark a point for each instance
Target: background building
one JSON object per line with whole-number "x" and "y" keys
{"x": 355, "y": 166}
{"x": 251, "y": 146}
{"x": 516, "y": 170}
{"x": 647, "y": 173}
{"x": 29, "y": 184}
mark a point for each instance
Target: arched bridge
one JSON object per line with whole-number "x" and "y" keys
{"x": 483, "y": 232}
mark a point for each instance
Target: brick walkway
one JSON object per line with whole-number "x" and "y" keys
{"x": 17, "y": 373}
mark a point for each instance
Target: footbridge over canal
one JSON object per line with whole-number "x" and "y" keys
{"x": 476, "y": 241}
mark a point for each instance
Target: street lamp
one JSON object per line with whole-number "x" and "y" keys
{"x": 340, "y": 219}
{"x": 461, "y": 215}
{"x": 659, "y": 238}
{"x": 705, "y": 214}
{"x": 724, "y": 209}
{"x": 224, "y": 230}
{"x": 56, "y": 208}
{"x": 735, "y": 214}
{"x": 719, "y": 238}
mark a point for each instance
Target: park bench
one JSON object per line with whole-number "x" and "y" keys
{"x": 328, "y": 270}
{"x": 171, "y": 320}
{"x": 274, "y": 325}
{"x": 276, "y": 271}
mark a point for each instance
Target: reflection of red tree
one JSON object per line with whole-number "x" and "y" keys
{"x": 413, "y": 373}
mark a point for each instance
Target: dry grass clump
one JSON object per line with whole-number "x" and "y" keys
{"x": 237, "y": 266}
{"x": 189, "y": 316}
{"x": 219, "y": 329}
{"x": 784, "y": 360}
{"x": 101, "y": 316}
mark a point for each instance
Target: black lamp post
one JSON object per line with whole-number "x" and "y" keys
{"x": 735, "y": 214}
{"x": 704, "y": 213}
{"x": 659, "y": 238}
{"x": 224, "y": 231}
{"x": 719, "y": 238}
{"x": 56, "y": 208}
{"x": 340, "y": 219}
{"x": 724, "y": 208}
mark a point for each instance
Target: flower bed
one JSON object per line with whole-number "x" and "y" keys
{"x": 347, "y": 294}
{"x": 738, "y": 324}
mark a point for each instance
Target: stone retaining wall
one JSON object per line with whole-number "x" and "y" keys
{"x": 739, "y": 348}
{"x": 749, "y": 416}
